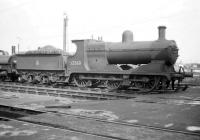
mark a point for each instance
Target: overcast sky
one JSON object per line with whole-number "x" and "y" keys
{"x": 34, "y": 23}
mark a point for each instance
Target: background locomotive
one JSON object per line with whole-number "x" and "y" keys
{"x": 104, "y": 64}
{"x": 6, "y": 69}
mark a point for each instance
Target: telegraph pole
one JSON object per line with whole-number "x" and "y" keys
{"x": 65, "y": 24}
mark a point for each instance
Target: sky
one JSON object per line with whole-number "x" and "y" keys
{"x": 36, "y": 23}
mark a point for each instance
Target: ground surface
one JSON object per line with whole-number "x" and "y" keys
{"x": 156, "y": 116}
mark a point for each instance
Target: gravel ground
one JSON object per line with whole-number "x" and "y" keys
{"x": 178, "y": 111}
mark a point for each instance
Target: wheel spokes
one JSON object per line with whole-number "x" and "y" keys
{"x": 82, "y": 82}
{"x": 113, "y": 84}
{"x": 147, "y": 86}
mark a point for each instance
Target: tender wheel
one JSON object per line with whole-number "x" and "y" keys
{"x": 82, "y": 82}
{"x": 36, "y": 79}
{"x": 2, "y": 78}
{"x": 22, "y": 78}
{"x": 30, "y": 78}
{"x": 45, "y": 79}
{"x": 52, "y": 79}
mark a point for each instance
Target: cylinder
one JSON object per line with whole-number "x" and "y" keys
{"x": 161, "y": 32}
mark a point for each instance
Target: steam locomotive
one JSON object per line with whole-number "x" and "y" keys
{"x": 141, "y": 65}
{"x": 6, "y": 69}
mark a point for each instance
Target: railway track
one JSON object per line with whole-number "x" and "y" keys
{"x": 59, "y": 128}
{"x": 17, "y": 114}
{"x": 75, "y": 92}
{"x": 13, "y": 114}
{"x": 131, "y": 124}
{"x": 69, "y": 92}
{"x": 169, "y": 100}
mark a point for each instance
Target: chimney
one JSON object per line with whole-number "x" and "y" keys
{"x": 13, "y": 50}
{"x": 161, "y": 32}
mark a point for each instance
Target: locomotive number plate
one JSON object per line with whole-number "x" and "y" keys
{"x": 75, "y": 63}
